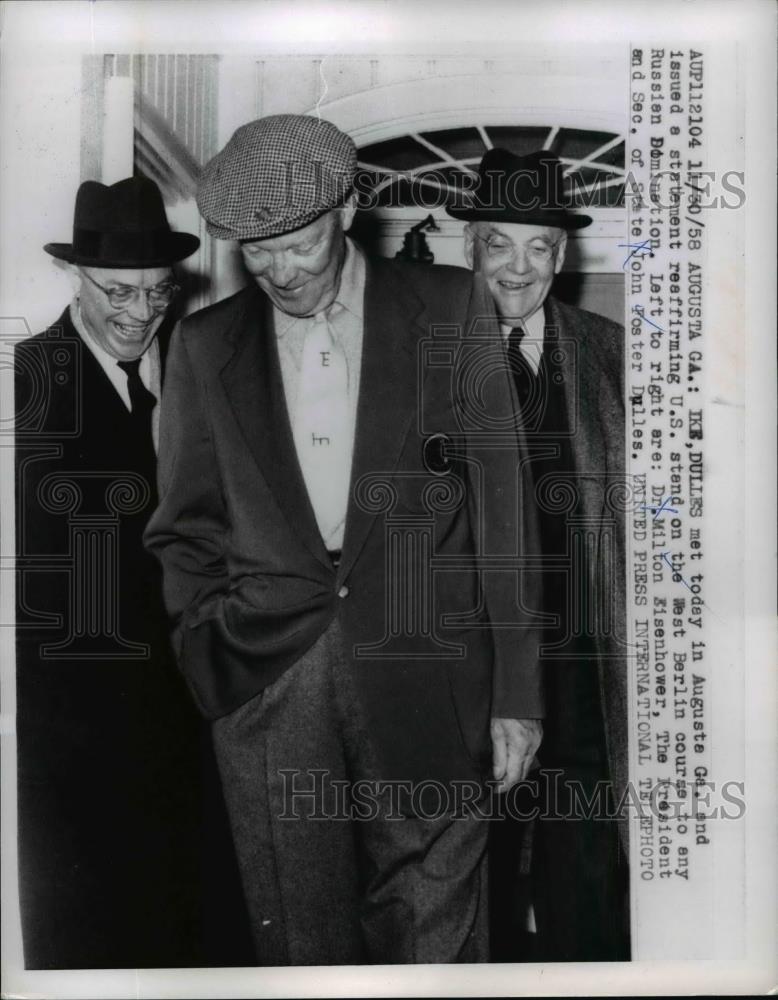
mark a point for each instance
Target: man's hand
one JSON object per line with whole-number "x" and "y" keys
{"x": 514, "y": 744}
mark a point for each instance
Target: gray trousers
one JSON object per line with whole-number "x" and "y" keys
{"x": 332, "y": 877}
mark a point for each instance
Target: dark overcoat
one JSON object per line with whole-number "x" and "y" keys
{"x": 116, "y": 786}
{"x": 593, "y": 371}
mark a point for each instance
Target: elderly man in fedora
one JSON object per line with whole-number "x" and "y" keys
{"x": 320, "y": 523}
{"x": 567, "y": 369}
{"x": 114, "y": 787}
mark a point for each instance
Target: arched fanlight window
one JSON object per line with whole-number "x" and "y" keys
{"x": 428, "y": 168}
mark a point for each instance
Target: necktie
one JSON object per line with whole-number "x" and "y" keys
{"x": 323, "y": 434}
{"x": 529, "y": 385}
{"x": 142, "y": 402}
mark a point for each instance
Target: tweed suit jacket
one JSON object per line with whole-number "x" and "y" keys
{"x": 594, "y": 382}
{"x": 248, "y": 582}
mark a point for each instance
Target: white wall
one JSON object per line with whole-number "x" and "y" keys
{"x": 40, "y": 108}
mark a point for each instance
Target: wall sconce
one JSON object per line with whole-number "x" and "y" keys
{"x": 415, "y": 248}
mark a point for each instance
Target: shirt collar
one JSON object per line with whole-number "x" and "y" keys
{"x": 108, "y": 361}
{"x": 534, "y": 326}
{"x": 105, "y": 359}
{"x": 80, "y": 325}
{"x": 350, "y": 295}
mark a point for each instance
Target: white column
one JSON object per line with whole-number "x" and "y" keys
{"x": 118, "y": 112}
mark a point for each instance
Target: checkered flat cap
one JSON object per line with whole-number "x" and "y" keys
{"x": 275, "y": 175}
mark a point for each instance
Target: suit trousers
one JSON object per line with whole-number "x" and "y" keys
{"x": 333, "y": 871}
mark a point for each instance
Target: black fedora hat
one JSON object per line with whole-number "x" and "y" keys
{"x": 527, "y": 189}
{"x": 122, "y": 225}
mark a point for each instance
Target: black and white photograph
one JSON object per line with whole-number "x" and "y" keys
{"x": 387, "y": 547}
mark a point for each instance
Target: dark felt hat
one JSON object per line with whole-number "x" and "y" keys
{"x": 527, "y": 189}
{"x": 122, "y": 225}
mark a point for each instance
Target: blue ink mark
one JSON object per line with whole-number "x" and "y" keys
{"x": 634, "y": 249}
{"x": 676, "y": 575}
{"x": 663, "y": 507}
{"x": 639, "y": 310}
{"x": 647, "y": 320}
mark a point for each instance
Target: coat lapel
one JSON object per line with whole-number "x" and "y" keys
{"x": 388, "y": 393}
{"x": 386, "y": 407}
{"x": 587, "y": 444}
{"x": 254, "y": 386}
{"x": 163, "y": 340}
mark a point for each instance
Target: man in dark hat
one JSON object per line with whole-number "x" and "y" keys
{"x": 321, "y": 516}
{"x": 114, "y": 789}
{"x": 567, "y": 369}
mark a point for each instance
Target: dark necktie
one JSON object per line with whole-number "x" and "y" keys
{"x": 529, "y": 384}
{"x": 142, "y": 402}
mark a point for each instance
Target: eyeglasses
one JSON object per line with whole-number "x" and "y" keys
{"x": 499, "y": 247}
{"x": 121, "y": 296}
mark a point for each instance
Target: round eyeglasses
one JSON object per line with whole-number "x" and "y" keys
{"x": 501, "y": 248}
{"x": 120, "y": 296}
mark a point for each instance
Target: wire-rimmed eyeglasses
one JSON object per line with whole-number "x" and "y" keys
{"x": 120, "y": 296}
{"x": 500, "y": 247}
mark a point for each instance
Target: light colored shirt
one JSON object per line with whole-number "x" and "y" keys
{"x": 345, "y": 319}
{"x": 150, "y": 369}
{"x": 346, "y": 324}
{"x": 531, "y": 345}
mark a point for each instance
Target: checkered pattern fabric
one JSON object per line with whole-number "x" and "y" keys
{"x": 275, "y": 175}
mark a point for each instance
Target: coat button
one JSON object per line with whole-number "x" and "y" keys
{"x": 343, "y": 592}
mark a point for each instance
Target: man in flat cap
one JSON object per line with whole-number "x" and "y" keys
{"x": 321, "y": 517}
{"x": 567, "y": 367}
{"x": 116, "y": 796}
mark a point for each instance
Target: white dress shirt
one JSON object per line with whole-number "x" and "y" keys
{"x": 346, "y": 325}
{"x": 150, "y": 369}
